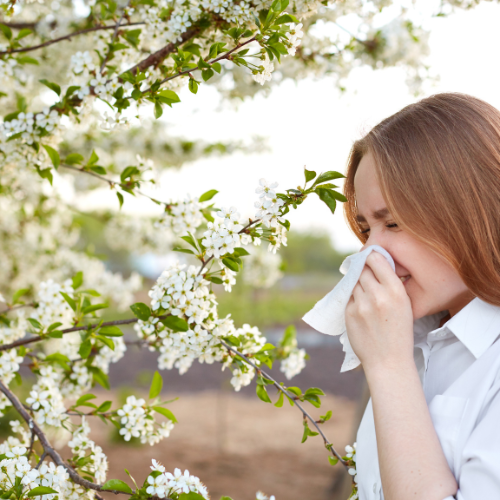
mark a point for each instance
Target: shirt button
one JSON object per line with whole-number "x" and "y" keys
{"x": 374, "y": 487}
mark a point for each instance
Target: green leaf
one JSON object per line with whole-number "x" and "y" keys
{"x": 6, "y": 31}
{"x": 52, "y": 86}
{"x": 77, "y": 280}
{"x": 53, "y": 326}
{"x": 158, "y": 110}
{"x": 85, "y": 349}
{"x": 286, "y": 18}
{"x": 104, "y": 407}
{"x": 314, "y": 390}
{"x": 328, "y": 176}
{"x": 280, "y": 401}
{"x": 193, "y": 86}
{"x": 191, "y": 496}
{"x": 206, "y": 74}
{"x": 240, "y": 252}
{"x": 175, "y": 323}
{"x": 73, "y": 159}
{"x": 156, "y": 386}
{"x": 57, "y": 356}
{"x": 217, "y": 67}
{"x": 100, "y": 377}
{"x": 19, "y": 294}
{"x": 53, "y": 155}
{"x": 215, "y": 280}
{"x": 333, "y": 460}
{"x": 46, "y": 173}
{"x": 309, "y": 175}
{"x": 111, "y": 331}
{"x": 40, "y": 490}
{"x": 34, "y": 323}
{"x": 338, "y": 196}
{"x": 208, "y": 195}
{"x": 169, "y": 95}
{"x": 183, "y": 250}
{"x": 117, "y": 485}
{"x": 189, "y": 239}
{"x": 141, "y": 311}
{"x": 56, "y": 334}
{"x": 94, "y": 307}
{"x": 262, "y": 393}
{"x": 84, "y": 399}
{"x": 327, "y": 416}
{"x": 231, "y": 264}
{"x": 27, "y": 60}
{"x": 120, "y": 198}
{"x": 165, "y": 413}
{"x": 98, "y": 170}
{"x": 107, "y": 342}
{"x": 307, "y": 432}
{"x": 326, "y": 196}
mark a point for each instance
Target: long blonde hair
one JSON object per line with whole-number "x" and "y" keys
{"x": 438, "y": 167}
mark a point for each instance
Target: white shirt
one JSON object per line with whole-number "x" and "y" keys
{"x": 459, "y": 367}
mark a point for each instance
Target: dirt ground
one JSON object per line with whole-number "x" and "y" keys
{"x": 238, "y": 445}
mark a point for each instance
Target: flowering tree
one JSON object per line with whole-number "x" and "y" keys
{"x": 66, "y": 106}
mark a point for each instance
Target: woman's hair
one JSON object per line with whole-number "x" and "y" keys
{"x": 438, "y": 167}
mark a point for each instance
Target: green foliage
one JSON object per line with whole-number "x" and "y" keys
{"x": 156, "y": 385}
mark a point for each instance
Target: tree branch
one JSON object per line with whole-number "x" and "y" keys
{"x": 159, "y": 56}
{"x": 223, "y": 56}
{"x": 293, "y": 397}
{"x": 65, "y": 37}
{"x": 47, "y": 447}
{"x": 37, "y": 338}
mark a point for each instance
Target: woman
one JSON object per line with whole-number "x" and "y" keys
{"x": 425, "y": 185}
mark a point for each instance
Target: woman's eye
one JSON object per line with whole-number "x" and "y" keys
{"x": 388, "y": 225}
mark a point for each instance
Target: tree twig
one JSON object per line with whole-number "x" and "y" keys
{"x": 292, "y": 397}
{"x": 159, "y": 56}
{"x": 65, "y": 37}
{"x": 37, "y": 338}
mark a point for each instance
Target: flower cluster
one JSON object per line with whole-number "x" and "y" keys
{"x": 30, "y": 126}
{"x": 223, "y": 236}
{"x": 294, "y": 363}
{"x": 137, "y": 421}
{"x": 164, "y": 484}
{"x": 294, "y": 37}
{"x": 269, "y": 205}
{"x": 351, "y": 459}
{"x": 266, "y": 69}
{"x": 16, "y": 468}
{"x": 96, "y": 463}
{"x": 52, "y": 307}
{"x": 183, "y": 293}
{"x": 183, "y": 216}
{"x": 46, "y": 399}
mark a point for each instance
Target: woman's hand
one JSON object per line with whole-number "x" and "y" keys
{"x": 379, "y": 316}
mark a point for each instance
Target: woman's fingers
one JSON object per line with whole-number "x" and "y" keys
{"x": 381, "y": 269}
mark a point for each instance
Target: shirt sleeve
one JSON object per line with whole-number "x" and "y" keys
{"x": 480, "y": 474}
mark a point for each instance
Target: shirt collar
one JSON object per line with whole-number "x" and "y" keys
{"x": 477, "y": 326}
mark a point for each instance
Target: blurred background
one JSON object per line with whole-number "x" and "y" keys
{"x": 233, "y": 441}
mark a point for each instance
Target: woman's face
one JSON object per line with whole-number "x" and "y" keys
{"x": 433, "y": 285}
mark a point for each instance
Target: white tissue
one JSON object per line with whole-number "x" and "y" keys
{"x": 328, "y": 315}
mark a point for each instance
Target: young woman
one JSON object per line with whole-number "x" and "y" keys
{"x": 425, "y": 185}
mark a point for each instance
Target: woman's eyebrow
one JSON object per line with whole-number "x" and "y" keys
{"x": 377, "y": 215}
